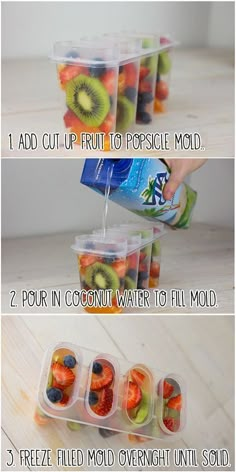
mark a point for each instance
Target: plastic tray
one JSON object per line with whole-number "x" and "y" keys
{"x": 118, "y": 419}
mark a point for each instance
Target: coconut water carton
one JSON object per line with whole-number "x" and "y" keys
{"x": 137, "y": 184}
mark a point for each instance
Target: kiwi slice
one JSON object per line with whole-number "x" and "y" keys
{"x": 125, "y": 114}
{"x": 164, "y": 63}
{"x": 100, "y": 276}
{"x": 156, "y": 248}
{"x": 142, "y": 412}
{"x": 129, "y": 283}
{"x": 151, "y": 63}
{"x": 88, "y": 99}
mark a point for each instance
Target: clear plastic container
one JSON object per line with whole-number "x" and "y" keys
{"x": 134, "y": 242}
{"x": 88, "y": 76}
{"x": 102, "y": 268}
{"x": 164, "y": 67}
{"x": 154, "y": 407}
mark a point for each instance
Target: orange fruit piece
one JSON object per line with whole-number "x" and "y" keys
{"x": 158, "y": 106}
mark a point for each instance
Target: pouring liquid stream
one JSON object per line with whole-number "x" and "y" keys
{"x": 107, "y": 193}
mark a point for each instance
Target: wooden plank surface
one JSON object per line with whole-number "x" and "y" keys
{"x": 201, "y": 100}
{"x": 199, "y": 258}
{"x": 199, "y": 348}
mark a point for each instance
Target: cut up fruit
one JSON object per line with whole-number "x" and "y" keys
{"x": 104, "y": 402}
{"x": 175, "y": 403}
{"x": 102, "y": 379}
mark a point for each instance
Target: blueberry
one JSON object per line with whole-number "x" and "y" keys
{"x": 97, "y": 70}
{"x": 131, "y": 93}
{"x": 141, "y": 107}
{"x": 145, "y": 117}
{"x": 54, "y": 395}
{"x": 158, "y": 78}
{"x": 147, "y": 97}
{"x": 69, "y": 361}
{"x": 93, "y": 398}
{"x": 89, "y": 245}
{"x": 97, "y": 368}
{"x": 132, "y": 273}
{"x": 74, "y": 54}
{"x": 121, "y": 68}
{"x": 142, "y": 276}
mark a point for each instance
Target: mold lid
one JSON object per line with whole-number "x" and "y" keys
{"x": 95, "y": 244}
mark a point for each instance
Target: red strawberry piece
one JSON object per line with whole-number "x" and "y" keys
{"x": 71, "y": 120}
{"x": 70, "y": 72}
{"x": 142, "y": 267}
{"x": 107, "y": 125}
{"x": 132, "y": 261}
{"x": 137, "y": 376}
{"x": 167, "y": 389}
{"x": 155, "y": 269}
{"x": 57, "y": 385}
{"x": 162, "y": 90}
{"x": 108, "y": 80}
{"x": 164, "y": 40}
{"x": 87, "y": 259}
{"x": 175, "y": 402}
{"x": 64, "y": 399}
{"x": 130, "y": 74}
{"x": 104, "y": 404}
{"x": 144, "y": 71}
{"x": 119, "y": 267}
{"x": 144, "y": 86}
{"x": 63, "y": 375}
{"x": 134, "y": 396}
{"x": 171, "y": 423}
{"x": 104, "y": 379}
{"x": 142, "y": 256}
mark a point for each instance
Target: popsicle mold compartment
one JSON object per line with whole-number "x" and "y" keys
{"x": 138, "y": 396}
{"x": 102, "y": 266}
{"x": 164, "y": 67}
{"x": 101, "y": 397}
{"x": 61, "y": 381}
{"x": 133, "y": 253}
{"x": 171, "y": 390}
{"x": 88, "y": 77}
{"x": 137, "y": 184}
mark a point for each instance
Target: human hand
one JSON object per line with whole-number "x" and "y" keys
{"x": 180, "y": 168}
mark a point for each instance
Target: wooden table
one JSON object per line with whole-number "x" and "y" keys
{"x": 198, "y": 258}
{"x": 200, "y": 349}
{"x": 201, "y": 100}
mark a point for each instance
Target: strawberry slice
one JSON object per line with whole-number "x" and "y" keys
{"x": 104, "y": 379}
{"x": 57, "y": 385}
{"x": 137, "y": 377}
{"x": 108, "y": 80}
{"x": 130, "y": 74}
{"x": 171, "y": 423}
{"x": 105, "y": 400}
{"x": 167, "y": 389}
{"x": 144, "y": 71}
{"x": 63, "y": 375}
{"x": 87, "y": 259}
{"x": 64, "y": 399}
{"x": 134, "y": 396}
{"x": 120, "y": 268}
{"x": 132, "y": 261}
{"x": 71, "y": 120}
{"x": 70, "y": 72}
{"x": 144, "y": 86}
{"x": 155, "y": 269}
{"x": 175, "y": 402}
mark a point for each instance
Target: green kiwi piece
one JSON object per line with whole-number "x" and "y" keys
{"x": 125, "y": 114}
{"x": 73, "y": 426}
{"x": 151, "y": 63}
{"x": 156, "y": 248}
{"x": 88, "y": 99}
{"x": 100, "y": 276}
{"x": 129, "y": 283}
{"x": 143, "y": 410}
{"x": 164, "y": 63}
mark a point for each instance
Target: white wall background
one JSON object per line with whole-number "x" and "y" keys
{"x": 45, "y": 196}
{"x": 30, "y": 28}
